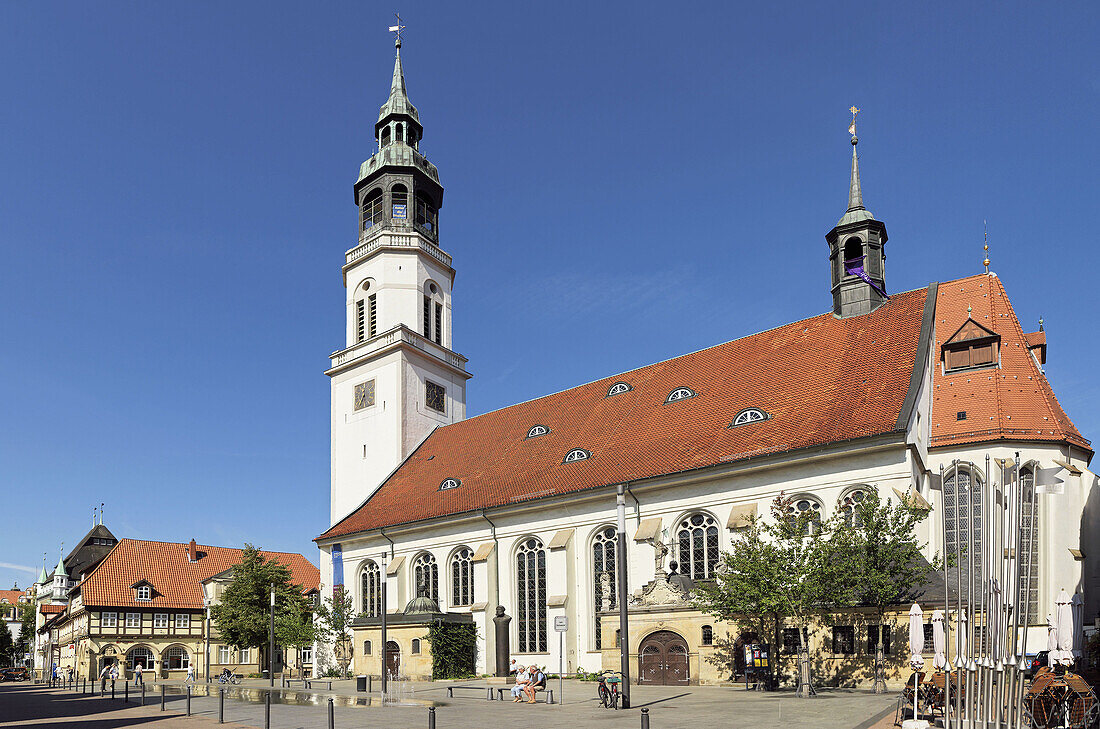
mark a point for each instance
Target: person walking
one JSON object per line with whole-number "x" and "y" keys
{"x": 190, "y": 673}
{"x": 138, "y": 679}
{"x": 103, "y": 675}
{"x": 114, "y": 675}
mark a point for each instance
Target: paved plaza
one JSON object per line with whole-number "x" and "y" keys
{"x": 27, "y": 705}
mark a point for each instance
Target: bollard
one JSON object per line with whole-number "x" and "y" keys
{"x": 112, "y": 690}
{"x": 126, "y": 693}
{"x": 267, "y": 711}
{"x": 162, "y": 697}
{"x": 143, "y": 693}
{"x": 431, "y": 717}
{"x": 331, "y": 714}
{"x": 450, "y": 692}
{"x": 221, "y": 706}
{"x": 189, "y": 701}
{"x": 645, "y": 718}
{"x": 370, "y": 681}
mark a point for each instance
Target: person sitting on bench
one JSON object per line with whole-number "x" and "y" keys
{"x": 522, "y": 679}
{"x": 537, "y": 683}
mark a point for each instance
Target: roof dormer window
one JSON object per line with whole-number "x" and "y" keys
{"x": 749, "y": 415}
{"x": 449, "y": 483}
{"x": 537, "y": 430}
{"x": 973, "y": 346}
{"x": 617, "y": 388}
{"x": 143, "y": 590}
{"x": 577, "y": 454}
{"x": 680, "y": 393}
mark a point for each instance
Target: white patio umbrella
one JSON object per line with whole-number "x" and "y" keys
{"x": 939, "y": 641}
{"x": 1052, "y": 640}
{"x": 1078, "y": 605}
{"x": 1064, "y": 621}
{"x": 916, "y": 647}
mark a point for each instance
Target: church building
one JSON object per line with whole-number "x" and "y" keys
{"x": 919, "y": 393}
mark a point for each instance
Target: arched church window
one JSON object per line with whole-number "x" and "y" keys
{"x": 427, "y": 218}
{"x": 1029, "y": 520}
{"x": 962, "y": 495}
{"x": 617, "y": 388}
{"x": 749, "y": 415}
{"x": 697, "y": 546}
{"x": 708, "y": 635}
{"x": 399, "y": 132}
{"x": 853, "y": 249}
{"x": 426, "y": 576}
{"x": 680, "y": 393}
{"x": 804, "y": 512}
{"x": 385, "y": 136}
{"x": 462, "y": 577}
{"x": 370, "y": 589}
{"x": 399, "y": 202}
{"x": 577, "y": 454}
{"x": 537, "y": 430}
{"x": 603, "y": 574}
{"x": 849, "y": 503}
{"x": 371, "y": 210}
{"x": 531, "y": 596}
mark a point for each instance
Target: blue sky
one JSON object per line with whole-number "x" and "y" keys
{"x": 625, "y": 182}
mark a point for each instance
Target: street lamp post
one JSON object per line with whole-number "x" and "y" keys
{"x": 271, "y": 641}
{"x": 620, "y": 569}
{"x": 383, "y": 611}
{"x": 206, "y": 640}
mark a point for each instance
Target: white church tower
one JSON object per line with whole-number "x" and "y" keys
{"x": 397, "y": 378}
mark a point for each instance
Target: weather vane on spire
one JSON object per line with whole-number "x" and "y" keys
{"x": 852, "y": 127}
{"x": 396, "y": 30}
{"x": 985, "y": 233}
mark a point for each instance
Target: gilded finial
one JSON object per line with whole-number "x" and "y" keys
{"x": 1040, "y": 323}
{"x": 985, "y": 233}
{"x": 852, "y": 126}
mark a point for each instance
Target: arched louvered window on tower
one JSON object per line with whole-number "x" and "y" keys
{"x": 962, "y": 495}
{"x": 462, "y": 577}
{"x": 426, "y": 576}
{"x": 370, "y": 590}
{"x": 697, "y": 546}
{"x": 371, "y": 210}
{"x": 603, "y": 575}
{"x": 531, "y": 597}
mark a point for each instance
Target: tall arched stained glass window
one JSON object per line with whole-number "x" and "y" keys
{"x": 962, "y": 497}
{"x": 426, "y": 576}
{"x": 848, "y": 504}
{"x": 805, "y": 511}
{"x": 531, "y": 597}
{"x": 603, "y": 574}
{"x": 697, "y": 546}
{"x": 462, "y": 577}
{"x": 1029, "y": 519}
{"x": 370, "y": 592}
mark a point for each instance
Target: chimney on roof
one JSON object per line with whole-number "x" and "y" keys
{"x": 192, "y": 552}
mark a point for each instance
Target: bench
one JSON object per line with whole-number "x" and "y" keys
{"x": 488, "y": 691}
{"x": 310, "y": 681}
{"x": 548, "y": 699}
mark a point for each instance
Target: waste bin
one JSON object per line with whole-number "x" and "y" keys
{"x": 361, "y": 683}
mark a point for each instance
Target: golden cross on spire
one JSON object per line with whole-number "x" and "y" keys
{"x": 852, "y": 127}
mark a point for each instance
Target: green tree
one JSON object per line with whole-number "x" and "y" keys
{"x": 775, "y": 571}
{"x": 295, "y": 626}
{"x": 26, "y": 630}
{"x": 879, "y": 561}
{"x": 7, "y": 645}
{"x": 334, "y": 618}
{"x": 242, "y": 614}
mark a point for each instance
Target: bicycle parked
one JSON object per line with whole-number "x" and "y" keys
{"x": 608, "y": 689}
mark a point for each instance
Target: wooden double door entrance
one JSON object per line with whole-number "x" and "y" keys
{"x": 663, "y": 659}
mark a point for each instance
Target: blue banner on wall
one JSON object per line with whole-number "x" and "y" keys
{"x": 337, "y": 565}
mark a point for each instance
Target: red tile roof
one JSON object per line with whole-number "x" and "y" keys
{"x": 51, "y": 609}
{"x": 1014, "y": 401}
{"x": 821, "y": 380}
{"x": 11, "y": 596}
{"x": 177, "y": 583}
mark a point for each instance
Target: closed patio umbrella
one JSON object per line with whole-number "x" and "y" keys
{"x": 1064, "y": 621}
{"x": 916, "y": 647}
{"x": 939, "y": 641}
{"x": 1052, "y": 640}
{"x": 1078, "y": 624}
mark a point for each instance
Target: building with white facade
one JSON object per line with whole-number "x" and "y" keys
{"x": 516, "y": 507}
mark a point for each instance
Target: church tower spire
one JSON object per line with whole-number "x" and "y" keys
{"x": 857, "y": 253}
{"x": 397, "y": 376}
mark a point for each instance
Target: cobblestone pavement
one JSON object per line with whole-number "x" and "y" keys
{"x": 27, "y": 705}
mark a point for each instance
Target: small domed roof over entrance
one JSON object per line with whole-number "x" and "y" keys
{"x": 422, "y": 604}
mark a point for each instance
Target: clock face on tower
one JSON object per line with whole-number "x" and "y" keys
{"x": 364, "y": 394}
